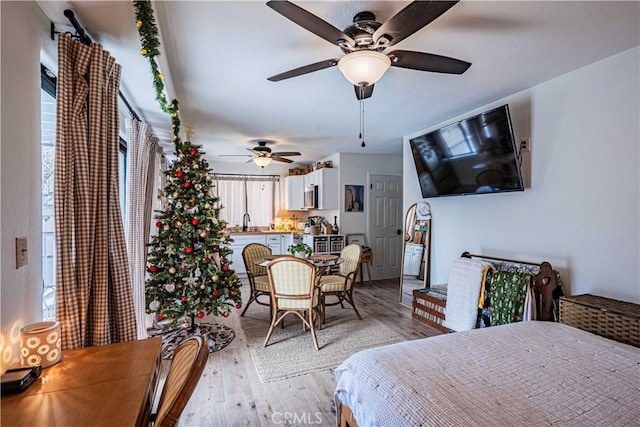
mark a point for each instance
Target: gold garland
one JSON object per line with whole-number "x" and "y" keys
{"x": 145, "y": 22}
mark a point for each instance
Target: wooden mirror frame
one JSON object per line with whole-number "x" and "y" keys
{"x": 413, "y": 235}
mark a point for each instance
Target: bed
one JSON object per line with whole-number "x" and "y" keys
{"x": 526, "y": 373}
{"x": 522, "y": 373}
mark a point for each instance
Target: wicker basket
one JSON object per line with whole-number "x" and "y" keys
{"x": 617, "y": 320}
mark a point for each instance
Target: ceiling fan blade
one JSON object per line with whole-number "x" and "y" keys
{"x": 363, "y": 92}
{"x": 410, "y": 19}
{"x": 304, "y": 70}
{"x": 427, "y": 62}
{"x": 310, "y": 22}
{"x": 281, "y": 159}
{"x": 286, "y": 153}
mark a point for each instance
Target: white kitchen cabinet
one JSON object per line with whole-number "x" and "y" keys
{"x": 285, "y": 241}
{"x": 328, "y": 188}
{"x": 274, "y": 241}
{"x": 413, "y": 258}
{"x": 238, "y": 244}
{"x": 294, "y": 192}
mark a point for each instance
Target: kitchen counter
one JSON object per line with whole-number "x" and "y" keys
{"x": 248, "y": 233}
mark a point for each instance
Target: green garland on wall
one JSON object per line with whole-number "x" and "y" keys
{"x": 146, "y": 24}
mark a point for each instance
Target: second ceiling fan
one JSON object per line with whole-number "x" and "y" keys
{"x": 263, "y": 155}
{"x": 364, "y": 41}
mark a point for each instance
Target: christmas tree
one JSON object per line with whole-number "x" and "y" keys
{"x": 188, "y": 265}
{"x": 189, "y": 273}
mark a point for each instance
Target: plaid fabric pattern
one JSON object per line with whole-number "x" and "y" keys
{"x": 251, "y": 255}
{"x": 141, "y": 151}
{"x": 94, "y": 302}
{"x": 351, "y": 254}
{"x": 262, "y": 284}
{"x": 293, "y": 283}
{"x": 332, "y": 283}
{"x": 348, "y": 270}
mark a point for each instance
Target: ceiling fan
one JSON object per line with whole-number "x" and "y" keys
{"x": 364, "y": 41}
{"x": 263, "y": 156}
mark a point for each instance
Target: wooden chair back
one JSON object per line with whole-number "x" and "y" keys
{"x": 292, "y": 283}
{"x": 352, "y": 255}
{"x": 189, "y": 360}
{"x": 253, "y": 253}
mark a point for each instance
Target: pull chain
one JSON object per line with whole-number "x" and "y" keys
{"x": 361, "y": 135}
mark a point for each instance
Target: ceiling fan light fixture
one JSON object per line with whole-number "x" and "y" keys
{"x": 262, "y": 161}
{"x": 364, "y": 67}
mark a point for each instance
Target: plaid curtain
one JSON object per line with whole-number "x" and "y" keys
{"x": 142, "y": 150}
{"x": 94, "y": 303}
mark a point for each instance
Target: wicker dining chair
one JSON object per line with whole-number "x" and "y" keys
{"x": 189, "y": 360}
{"x": 252, "y": 254}
{"x": 293, "y": 291}
{"x": 341, "y": 284}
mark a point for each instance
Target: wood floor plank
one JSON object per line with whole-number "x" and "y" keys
{"x": 230, "y": 393}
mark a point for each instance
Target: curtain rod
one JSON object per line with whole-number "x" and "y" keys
{"x": 82, "y": 36}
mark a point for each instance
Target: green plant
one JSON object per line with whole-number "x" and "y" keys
{"x": 300, "y": 248}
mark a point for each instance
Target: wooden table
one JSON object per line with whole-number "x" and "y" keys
{"x": 107, "y": 385}
{"x": 367, "y": 259}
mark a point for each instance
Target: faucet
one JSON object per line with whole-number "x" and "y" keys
{"x": 245, "y": 221}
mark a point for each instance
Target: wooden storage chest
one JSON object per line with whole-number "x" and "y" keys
{"x": 428, "y": 307}
{"x": 617, "y": 320}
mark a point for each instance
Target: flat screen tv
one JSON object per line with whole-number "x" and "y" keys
{"x": 473, "y": 156}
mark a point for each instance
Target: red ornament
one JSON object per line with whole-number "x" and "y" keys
{"x": 225, "y": 267}
{"x": 194, "y": 221}
{"x": 200, "y": 315}
{"x": 207, "y": 260}
{"x": 215, "y": 293}
{"x": 158, "y": 224}
{"x": 183, "y": 298}
{"x": 193, "y": 152}
{"x": 188, "y": 249}
{"x": 225, "y": 314}
{"x": 160, "y": 317}
{"x": 186, "y": 184}
{"x": 185, "y": 266}
{"x": 153, "y": 269}
{"x": 239, "y": 306}
{"x": 179, "y": 173}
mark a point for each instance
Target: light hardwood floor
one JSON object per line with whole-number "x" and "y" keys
{"x": 231, "y": 394}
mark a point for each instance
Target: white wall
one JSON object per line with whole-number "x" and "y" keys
{"x": 581, "y": 211}
{"x": 355, "y": 169}
{"x": 23, "y": 27}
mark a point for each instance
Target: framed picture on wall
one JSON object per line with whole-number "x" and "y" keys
{"x": 354, "y": 198}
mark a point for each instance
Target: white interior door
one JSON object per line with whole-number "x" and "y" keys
{"x": 385, "y": 225}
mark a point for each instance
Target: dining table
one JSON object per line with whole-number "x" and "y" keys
{"x": 321, "y": 262}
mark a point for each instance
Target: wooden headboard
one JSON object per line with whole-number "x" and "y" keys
{"x": 544, "y": 285}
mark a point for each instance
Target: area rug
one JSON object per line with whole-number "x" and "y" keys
{"x": 291, "y": 352}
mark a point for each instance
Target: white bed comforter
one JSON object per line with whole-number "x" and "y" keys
{"x": 521, "y": 374}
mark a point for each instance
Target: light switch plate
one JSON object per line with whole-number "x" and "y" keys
{"x": 22, "y": 252}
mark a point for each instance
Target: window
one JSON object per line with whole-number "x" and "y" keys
{"x": 122, "y": 182}
{"x": 456, "y": 140}
{"x": 257, "y": 195}
{"x": 48, "y": 142}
